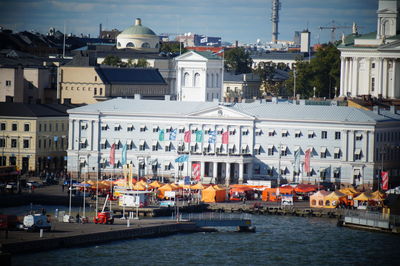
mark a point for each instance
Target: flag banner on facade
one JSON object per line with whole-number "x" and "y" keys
{"x": 123, "y": 155}
{"x": 225, "y": 137}
{"x": 212, "y": 137}
{"x": 385, "y": 180}
{"x": 181, "y": 159}
{"x": 296, "y": 167}
{"x": 196, "y": 171}
{"x": 187, "y": 136}
{"x": 112, "y": 154}
{"x": 161, "y": 135}
{"x": 307, "y": 161}
{"x": 172, "y": 134}
{"x": 199, "y": 136}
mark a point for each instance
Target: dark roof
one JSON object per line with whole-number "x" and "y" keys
{"x": 278, "y": 56}
{"x": 83, "y": 59}
{"x": 130, "y": 75}
{"x": 33, "y": 110}
{"x": 230, "y": 76}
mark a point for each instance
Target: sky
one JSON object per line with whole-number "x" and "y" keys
{"x": 242, "y": 20}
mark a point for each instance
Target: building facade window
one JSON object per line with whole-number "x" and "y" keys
{"x": 26, "y": 143}
{"x": 324, "y": 135}
{"x": 14, "y": 127}
{"x": 3, "y": 126}
{"x": 337, "y": 135}
{"x": 197, "y": 80}
{"x": 13, "y": 143}
{"x": 8, "y": 82}
{"x": 2, "y": 142}
{"x": 372, "y": 84}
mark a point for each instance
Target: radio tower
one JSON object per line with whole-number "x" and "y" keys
{"x": 276, "y": 6}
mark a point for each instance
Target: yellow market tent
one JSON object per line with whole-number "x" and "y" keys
{"x": 364, "y": 197}
{"x": 211, "y": 194}
{"x": 219, "y": 187}
{"x": 198, "y": 186}
{"x": 166, "y": 187}
{"x": 139, "y": 186}
{"x": 348, "y": 191}
{"x": 378, "y": 196}
{"x": 155, "y": 184}
{"x": 317, "y": 200}
{"x": 174, "y": 186}
{"x": 333, "y": 199}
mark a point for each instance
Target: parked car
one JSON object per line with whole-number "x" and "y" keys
{"x": 35, "y": 184}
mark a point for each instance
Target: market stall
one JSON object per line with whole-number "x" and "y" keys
{"x": 317, "y": 200}
{"x": 211, "y": 194}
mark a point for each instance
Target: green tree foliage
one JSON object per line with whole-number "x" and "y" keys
{"x": 172, "y": 47}
{"x": 323, "y": 73}
{"x": 141, "y": 62}
{"x": 112, "y": 60}
{"x": 238, "y": 60}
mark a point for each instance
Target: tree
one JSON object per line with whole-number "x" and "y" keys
{"x": 238, "y": 60}
{"x": 141, "y": 62}
{"x": 323, "y": 73}
{"x": 172, "y": 47}
{"x": 112, "y": 60}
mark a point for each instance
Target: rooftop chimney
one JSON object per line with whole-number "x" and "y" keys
{"x": 138, "y": 22}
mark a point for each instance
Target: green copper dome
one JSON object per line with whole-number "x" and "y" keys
{"x": 138, "y": 29}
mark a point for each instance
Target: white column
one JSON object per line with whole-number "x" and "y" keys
{"x": 240, "y": 173}
{"x": 345, "y": 144}
{"x": 392, "y": 92}
{"x": 77, "y": 134}
{"x": 385, "y": 82}
{"x": 342, "y": 76}
{"x": 202, "y": 168}
{"x": 379, "y": 83}
{"x": 71, "y": 135}
{"x": 355, "y": 76}
{"x": 350, "y": 81}
{"x": 227, "y": 173}
{"x": 215, "y": 171}
{"x": 346, "y": 75}
{"x": 351, "y": 145}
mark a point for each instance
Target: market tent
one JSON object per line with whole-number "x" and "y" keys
{"x": 198, "y": 186}
{"x": 92, "y": 182}
{"x": 364, "y": 197}
{"x": 286, "y": 190}
{"x": 378, "y": 196}
{"x": 155, "y": 184}
{"x": 317, "y": 199}
{"x": 211, "y": 194}
{"x": 219, "y": 187}
{"x": 333, "y": 199}
{"x": 349, "y": 191}
{"x": 305, "y": 188}
{"x": 140, "y": 186}
{"x": 173, "y": 185}
{"x": 120, "y": 182}
{"x": 166, "y": 187}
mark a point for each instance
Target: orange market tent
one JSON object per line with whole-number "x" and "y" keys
{"x": 198, "y": 186}
{"x": 219, "y": 187}
{"x": 155, "y": 184}
{"x": 91, "y": 182}
{"x": 139, "y": 186}
{"x": 236, "y": 193}
{"x": 364, "y": 197}
{"x": 175, "y": 186}
{"x": 317, "y": 200}
{"x": 120, "y": 182}
{"x": 286, "y": 190}
{"x": 349, "y": 191}
{"x": 334, "y": 199}
{"x": 305, "y": 188}
{"x": 211, "y": 194}
{"x": 377, "y": 195}
{"x": 166, "y": 187}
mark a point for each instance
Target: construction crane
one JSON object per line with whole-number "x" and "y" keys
{"x": 334, "y": 27}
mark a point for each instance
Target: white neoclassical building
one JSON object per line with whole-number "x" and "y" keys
{"x": 235, "y": 142}
{"x": 199, "y": 76}
{"x": 370, "y": 63}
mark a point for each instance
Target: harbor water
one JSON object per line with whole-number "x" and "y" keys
{"x": 279, "y": 240}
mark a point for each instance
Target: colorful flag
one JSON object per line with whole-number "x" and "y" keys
{"x": 296, "y": 167}
{"x": 123, "y": 155}
{"x": 196, "y": 171}
{"x": 307, "y": 161}
{"x": 212, "y": 136}
{"x": 181, "y": 159}
{"x": 225, "y": 137}
{"x": 161, "y": 135}
{"x": 385, "y": 180}
{"x": 112, "y": 154}
{"x": 187, "y": 137}
{"x": 172, "y": 134}
{"x": 199, "y": 136}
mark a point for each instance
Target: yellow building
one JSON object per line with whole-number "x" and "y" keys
{"x": 33, "y": 136}
{"x": 91, "y": 84}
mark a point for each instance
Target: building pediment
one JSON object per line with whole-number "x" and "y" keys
{"x": 221, "y": 112}
{"x": 190, "y": 56}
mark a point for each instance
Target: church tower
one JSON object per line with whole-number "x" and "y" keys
{"x": 388, "y": 18}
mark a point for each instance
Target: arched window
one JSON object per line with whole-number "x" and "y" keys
{"x": 101, "y": 91}
{"x": 314, "y": 202}
{"x": 212, "y": 80}
{"x": 186, "y": 81}
{"x": 216, "y": 80}
{"x": 197, "y": 80}
{"x": 130, "y": 45}
{"x": 321, "y": 203}
{"x": 145, "y": 45}
{"x": 95, "y": 91}
{"x": 118, "y": 44}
